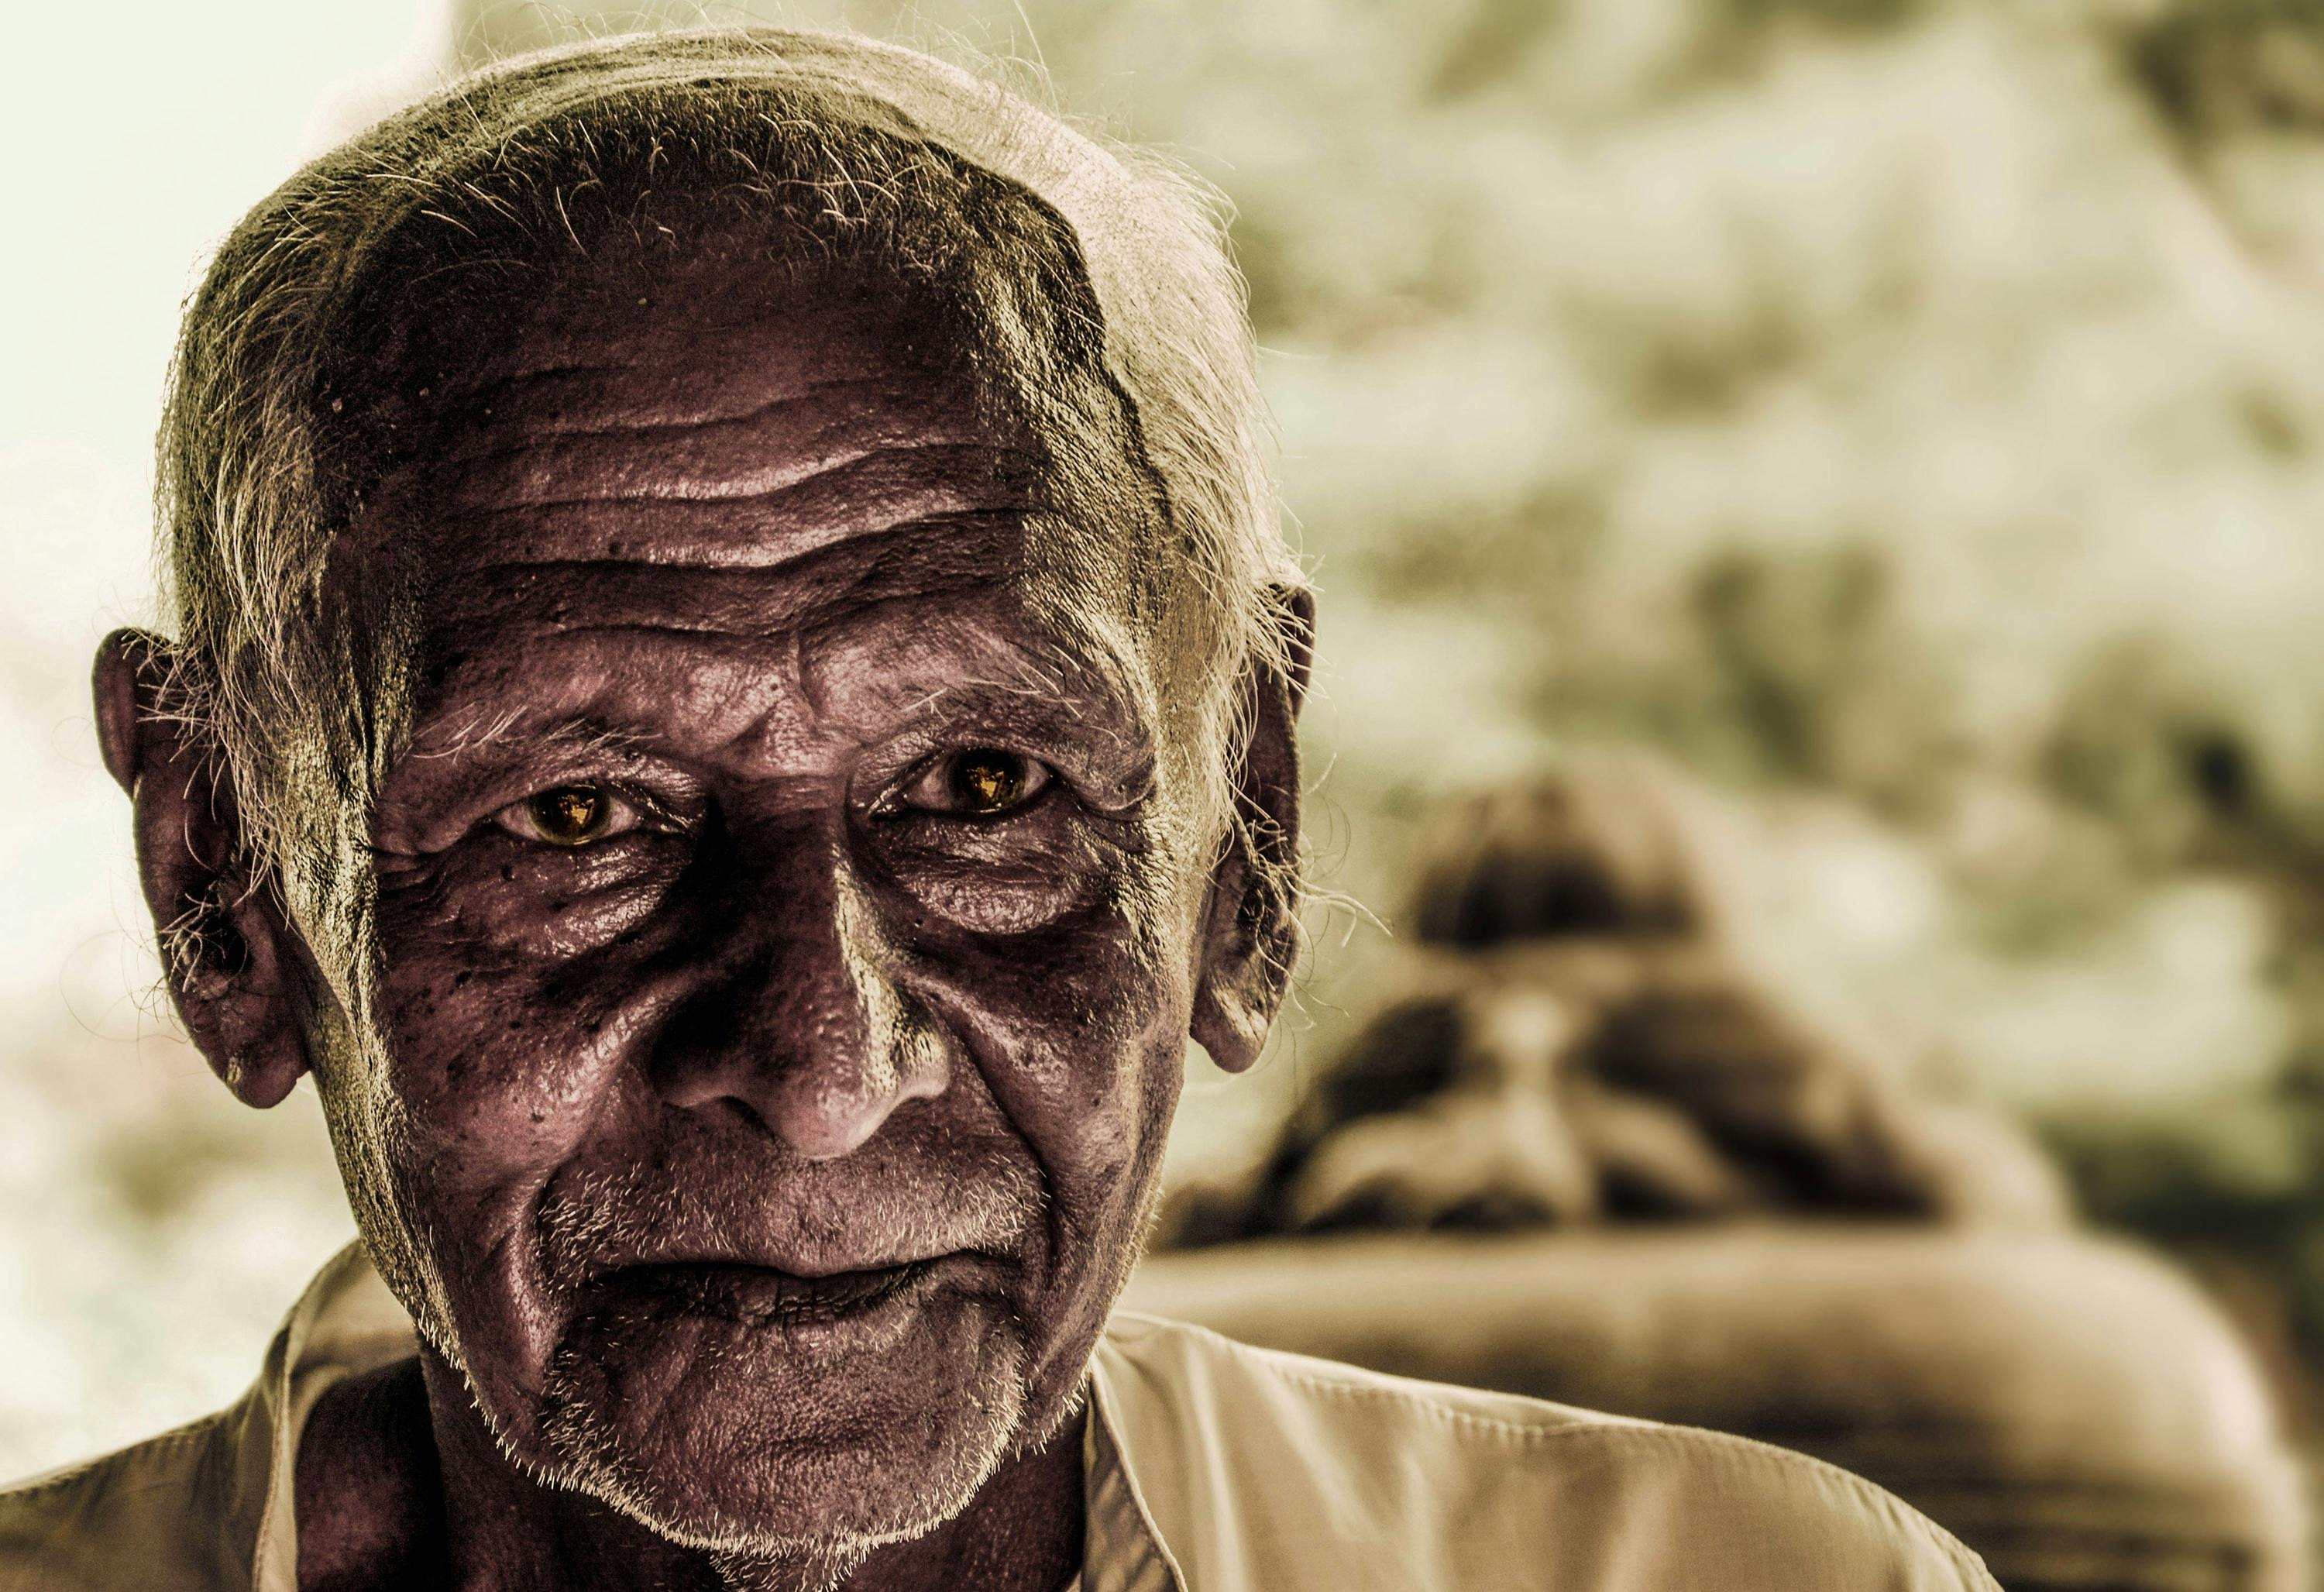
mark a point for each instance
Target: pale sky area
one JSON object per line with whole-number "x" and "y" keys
{"x": 142, "y": 147}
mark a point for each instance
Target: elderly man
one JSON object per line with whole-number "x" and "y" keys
{"x": 733, "y": 705}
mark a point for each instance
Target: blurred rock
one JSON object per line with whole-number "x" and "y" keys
{"x": 1581, "y": 1042}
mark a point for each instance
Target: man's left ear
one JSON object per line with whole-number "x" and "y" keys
{"x": 1250, "y": 935}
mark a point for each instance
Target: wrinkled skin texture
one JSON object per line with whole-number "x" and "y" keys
{"x": 764, "y": 1166}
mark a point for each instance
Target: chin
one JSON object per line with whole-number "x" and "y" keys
{"x": 731, "y": 1434}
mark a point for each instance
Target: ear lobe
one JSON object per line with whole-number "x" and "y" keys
{"x": 227, "y": 948}
{"x": 1251, "y": 932}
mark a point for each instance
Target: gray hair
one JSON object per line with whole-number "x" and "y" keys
{"x": 1093, "y": 256}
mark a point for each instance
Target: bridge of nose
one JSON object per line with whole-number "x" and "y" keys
{"x": 797, "y": 1020}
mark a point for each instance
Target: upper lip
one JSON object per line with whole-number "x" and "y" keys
{"x": 825, "y": 1237}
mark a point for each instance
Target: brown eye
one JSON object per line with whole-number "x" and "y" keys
{"x": 988, "y": 781}
{"x": 978, "y": 783}
{"x": 568, "y": 815}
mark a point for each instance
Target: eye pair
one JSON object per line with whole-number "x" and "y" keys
{"x": 983, "y": 782}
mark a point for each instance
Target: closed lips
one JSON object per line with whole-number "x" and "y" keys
{"x": 763, "y": 1295}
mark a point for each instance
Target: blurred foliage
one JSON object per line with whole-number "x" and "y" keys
{"x": 1782, "y": 668}
{"x": 2215, "y": 67}
{"x": 1903, "y": 415}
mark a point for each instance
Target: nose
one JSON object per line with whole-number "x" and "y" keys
{"x": 800, "y": 1024}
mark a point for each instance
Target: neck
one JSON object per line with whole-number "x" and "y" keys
{"x": 401, "y": 1484}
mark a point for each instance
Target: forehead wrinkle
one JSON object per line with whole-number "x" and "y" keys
{"x": 921, "y": 558}
{"x": 794, "y": 481}
{"x": 543, "y": 475}
{"x": 888, "y": 491}
{"x": 793, "y": 421}
{"x": 642, "y": 397}
{"x": 699, "y": 399}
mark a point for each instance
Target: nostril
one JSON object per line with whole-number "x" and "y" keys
{"x": 742, "y": 1110}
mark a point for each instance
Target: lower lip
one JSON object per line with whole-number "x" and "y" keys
{"x": 762, "y": 1296}
{"x": 807, "y": 1311}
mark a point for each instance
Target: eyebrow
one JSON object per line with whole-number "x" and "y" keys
{"x": 575, "y": 732}
{"x": 1052, "y": 696}
{"x": 1050, "y": 686}
{"x": 1046, "y": 686}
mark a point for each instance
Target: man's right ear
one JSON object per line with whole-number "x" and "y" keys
{"x": 227, "y": 948}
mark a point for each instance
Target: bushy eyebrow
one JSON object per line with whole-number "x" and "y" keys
{"x": 1049, "y": 680}
{"x": 1040, "y": 682}
{"x": 478, "y": 731}
{"x": 1046, "y": 691}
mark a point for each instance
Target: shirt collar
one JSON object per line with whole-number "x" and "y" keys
{"x": 347, "y": 1323}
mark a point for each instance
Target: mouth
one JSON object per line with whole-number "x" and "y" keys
{"x": 762, "y": 1296}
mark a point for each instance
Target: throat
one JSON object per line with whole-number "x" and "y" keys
{"x": 1024, "y": 1532}
{"x": 369, "y": 1494}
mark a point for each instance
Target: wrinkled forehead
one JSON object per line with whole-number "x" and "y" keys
{"x": 775, "y": 448}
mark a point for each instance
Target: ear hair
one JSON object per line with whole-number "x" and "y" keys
{"x": 1271, "y": 879}
{"x": 201, "y": 946}
{"x": 230, "y": 956}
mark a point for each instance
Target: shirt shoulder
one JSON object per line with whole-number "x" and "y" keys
{"x": 166, "y": 1512}
{"x": 1266, "y": 1470}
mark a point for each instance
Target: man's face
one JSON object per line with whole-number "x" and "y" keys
{"x": 786, "y": 944}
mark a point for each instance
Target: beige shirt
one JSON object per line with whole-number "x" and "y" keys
{"x": 1209, "y": 1467}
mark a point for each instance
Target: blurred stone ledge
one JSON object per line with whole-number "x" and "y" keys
{"x": 2070, "y": 1407}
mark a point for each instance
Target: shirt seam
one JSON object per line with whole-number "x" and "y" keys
{"x": 1276, "y": 1364}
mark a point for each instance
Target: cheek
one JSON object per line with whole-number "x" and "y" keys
{"x": 511, "y": 982}
{"x": 1082, "y": 1031}
{"x": 499, "y": 1071}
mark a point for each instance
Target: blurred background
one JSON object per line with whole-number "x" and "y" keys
{"x": 1890, "y": 430}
